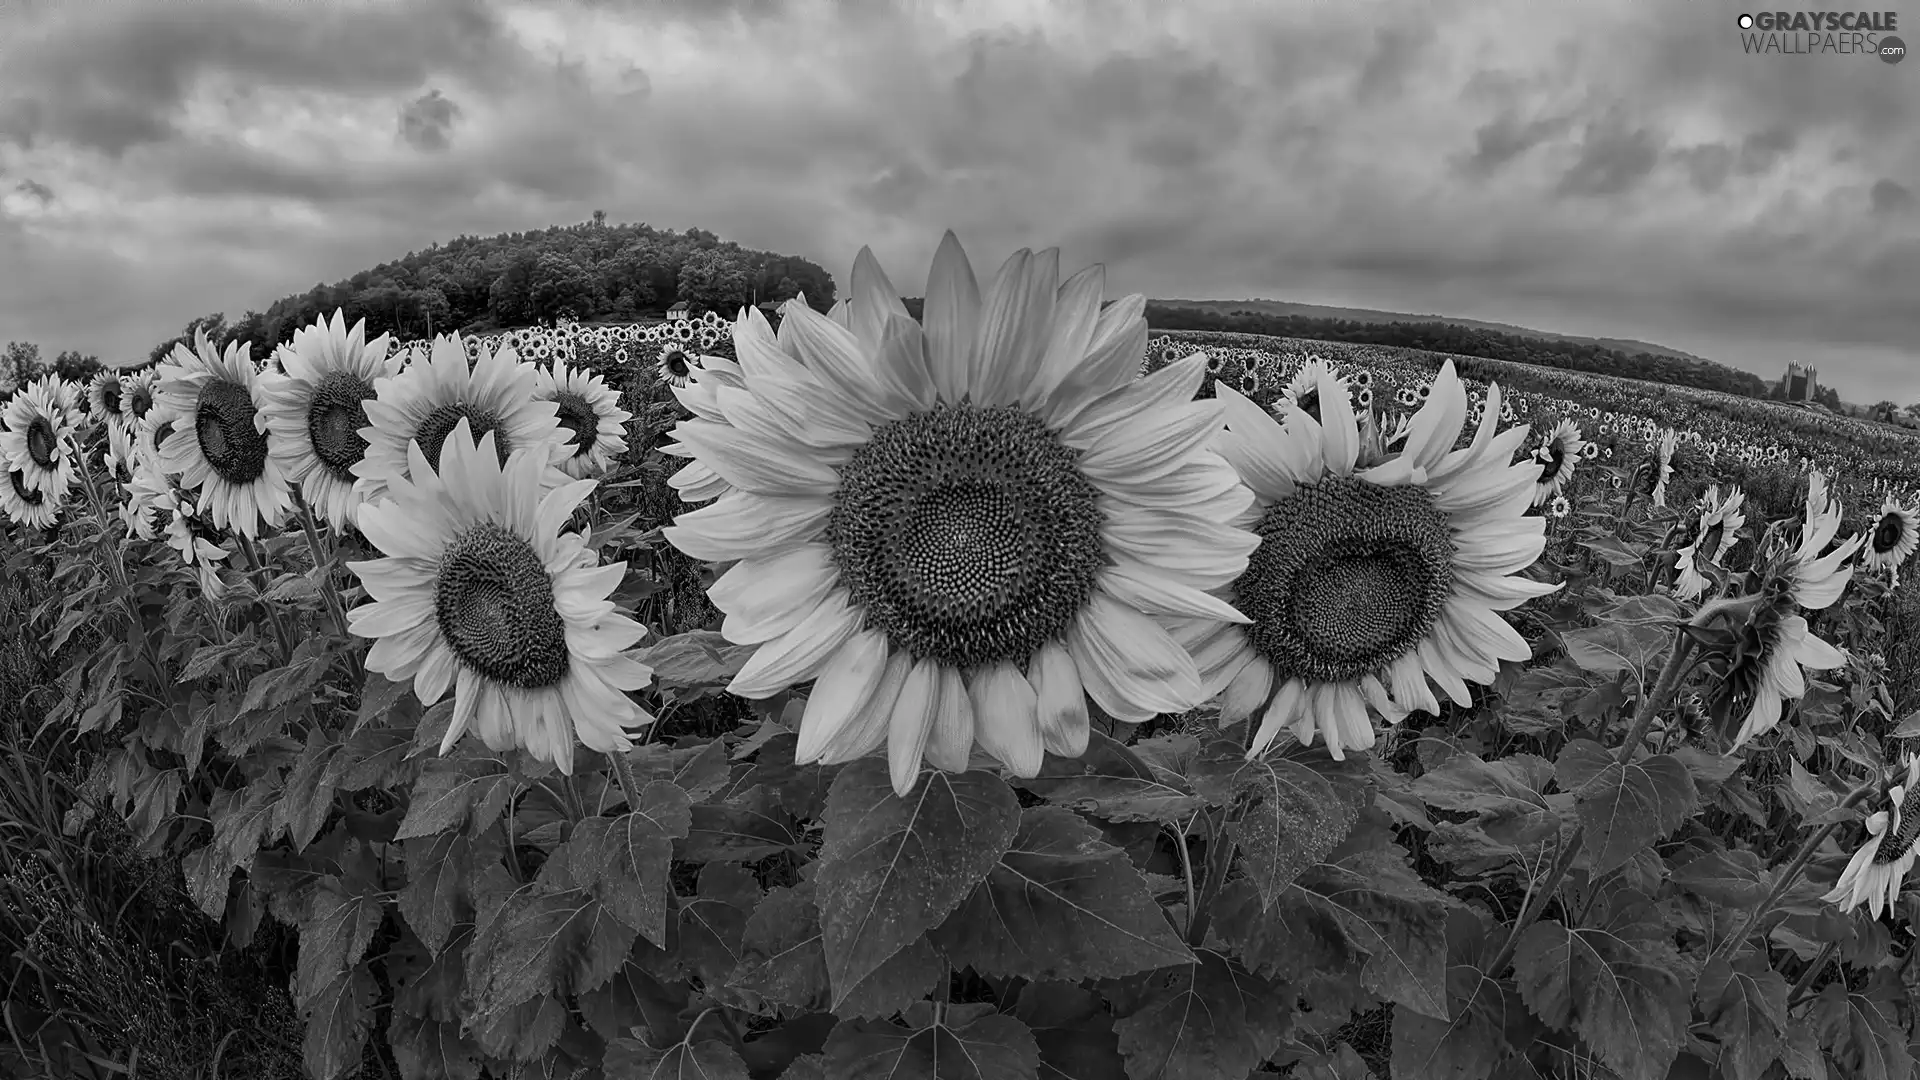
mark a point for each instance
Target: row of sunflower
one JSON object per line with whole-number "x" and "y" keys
{"x": 986, "y": 543}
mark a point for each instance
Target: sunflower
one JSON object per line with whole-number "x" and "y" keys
{"x": 36, "y": 439}
{"x": 1559, "y": 507}
{"x": 1303, "y": 390}
{"x": 319, "y": 408}
{"x": 964, "y": 529}
{"x": 1893, "y": 538}
{"x": 106, "y": 400}
{"x": 1375, "y": 574}
{"x": 676, "y": 364}
{"x": 25, "y": 506}
{"x": 695, "y": 482}
{"x": 589, "y": 414}
{"x": 1662, "y": 465}
{"x": 221, "y": 445}
{"x": 480, "y": 591}
{"x": 1764, "y": 672}
{"x": 1876, "y": 872}
{"x": 1557, "y": 455}
{"x": 1716, "y": 531}
{"x": 425, "y": 402}
{"x": 149, "y": 500}
{"x": 198, "y": 544}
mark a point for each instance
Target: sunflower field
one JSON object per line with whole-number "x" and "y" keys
{"x": 1005, "y": 693}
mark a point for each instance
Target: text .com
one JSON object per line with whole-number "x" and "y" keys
{"x": 1846, "y": 33}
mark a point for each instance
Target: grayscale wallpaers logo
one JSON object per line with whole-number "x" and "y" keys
{"x": 1840, "y": 33}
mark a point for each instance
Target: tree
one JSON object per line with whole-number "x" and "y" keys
{"x": 76, "y": 368}
{"x": 716, "y": 280}
{"x": 509, "y": 298}
{"x": 559, "y": 286}
{"x": 214, "y": 326}
{"x": 20, "y": 364}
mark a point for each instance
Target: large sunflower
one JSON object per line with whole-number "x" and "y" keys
{"x": 319, "y": 408}
{"x": 106, "y": 400}
{"x": 1375, "y": 574}
{"x": 1893, "y": 538}
{"x": 36, "y": 439}
{"x": 1714, "y": 534}
{"x": 964, "y": 530}
{"x": 25, "y": 506}
{"x": 1766, "y": 671}
{"x": 592, "y": 421}
{"x": 1557, "y": 455}
{"x": 481, "y": 592}
{"x": 1877, "y": 871}
{"x": 694, "y": 482}
{"x": 220, "y": 444}
{"x": 426, "y": 401}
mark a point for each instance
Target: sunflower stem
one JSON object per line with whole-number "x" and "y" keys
{"x": 329, "y": 587}
{"x": 623, "y": 769}
{"x": 1219, "y": 862}
{"x": 257, "y": 567}
{"x": 1186, "y": 871}
{"x": 1792, "y": 874}
{"x": 1805, "y": 981}
{"x": 1663, "y": 688}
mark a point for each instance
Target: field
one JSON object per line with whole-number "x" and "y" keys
{"x": 1648, "y": 825}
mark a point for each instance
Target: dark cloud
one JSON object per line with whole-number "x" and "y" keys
{"x": 35, "y": 190}
{"x": 1888, "y": 197}
{"x": 1506, "y": 137}
{"x": 1614, "y": 158}
{"x": 426, "y": 121}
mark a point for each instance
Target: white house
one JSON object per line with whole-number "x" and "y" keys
{"x": 680, "y": 311}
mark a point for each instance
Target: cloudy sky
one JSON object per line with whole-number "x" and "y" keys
{"x": 1607, "y": 168}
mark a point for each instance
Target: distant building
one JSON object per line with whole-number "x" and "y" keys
{"x": 1800, "y": 383}
{"x": 680, "y": 311}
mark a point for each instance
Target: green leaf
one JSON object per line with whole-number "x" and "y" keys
{"x": 800, "y": 789}
{"x": 456, "y": 792}
{"x": 1209, "y": 1019}
{"x": 1616, "y": 552}
{"x": 968, "y": 1042}
{"x": 240, "y": 823}
{"x": 432, "y": 1049}
{"x": 632, "y": 1059}
{"x": 1861, "y": 1028}
{"x": 521, "y": 1032}
{"x": 1110, "y": 781}
{"x": 748, "y": 829}
{"x": 334, "y": 938}
{"x": 545, "y": 940}
{"x": 625, "y": 860}
{"x": 698, "y": 658}
{"x": 1536, "y": 702}
{"x": 1294, "y": 819}
{"x": 710, "y": 923}
{"x": 1615, "y": 647}
{"x": 339, "y": 1018}
{"x": 1061, "y": 904}
{"x": 1471, "y": 1043}
{"x": 700, "y": 769}
{"x": 1734, "y": 877}
{"x": 1504, "y": 795}
{"x": 783, "y": 960}
{"x": 1625, "y": 808}
{"x": 309, "y": 795}
{"x": 437, "y": 896}
{"x": 1085, "y": 1051}
{"x": 1745, "y": 1005}
{"x": 1615, "y": 983}
{"x": 890, "y": 869}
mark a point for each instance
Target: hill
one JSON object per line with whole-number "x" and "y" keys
{"x": 1369, "y": 315}
{"x": 586, "y": 271}
{"x": 1496, "y": 341}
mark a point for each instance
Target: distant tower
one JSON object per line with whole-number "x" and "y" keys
{"x": 1801, "y": 382}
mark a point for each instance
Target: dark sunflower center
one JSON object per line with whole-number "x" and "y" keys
{"x": 223, "y": 422}
{"x": 577, "y": 416}
{"x": 433, "y": 431}
{"x": 1709, "y": 541}
{"x": 140, "y": 401}
{"x": 1896, "y": 845}
{"x": 334, "y": 419}
{"x": 966, "y": 534}
{"x": 494, "y": 603}
{"x": 110, "y": 396}
{"x": 1551, "y": 458}
{"x": 1309, "y": 403}
{"x": 1888, "y": 533}
{"x": 674, "y": 362}
{"x": 42, "y": 446}
{"x": 19, "y": 482}
{"x": 1348, "y": 577}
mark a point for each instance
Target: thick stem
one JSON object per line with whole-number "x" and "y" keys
{"x": 1805, "y": 982}
{"x": 1792, "y": 873}
{"x": 258, "y": 566}
{"x": 1186, "y": 871}
{"x": 329, "y": 588}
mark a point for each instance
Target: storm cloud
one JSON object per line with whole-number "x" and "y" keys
{"x": 1620, "y": 169}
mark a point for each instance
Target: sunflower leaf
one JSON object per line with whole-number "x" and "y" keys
{"x": 1110, "y": 781}
{"x": 1471, "y": 1043}
{"x": 339, "y": 1020}
{"x": 746, "y": 829}
{"x": 455, "y": 792}
{"x": 1617, "y": 646}
{"x": 968, "y": 1042}
{"x": 1745, "y": 1004}
{"x": 1296, "y": 817}
{"x": 340, "y": 926}
{"x": 423, "y": 1047}
{"x": 890, "y": 869}
{"x": 698, "y": 658}
{"x": 632, "y": 1059}
{"x": 1615, "y": 983}
{"x": 1061, "y": 904}
{"x": 625, "y": 860}
{"x": 545, "y": 940}
{"x": 1088, "y": 1050}
{"x": 1207, "y": 1019}
{"x": 1625, "y": 808}
{"x": 783, "y": 960}
{"x": 1861, "y": 1028}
